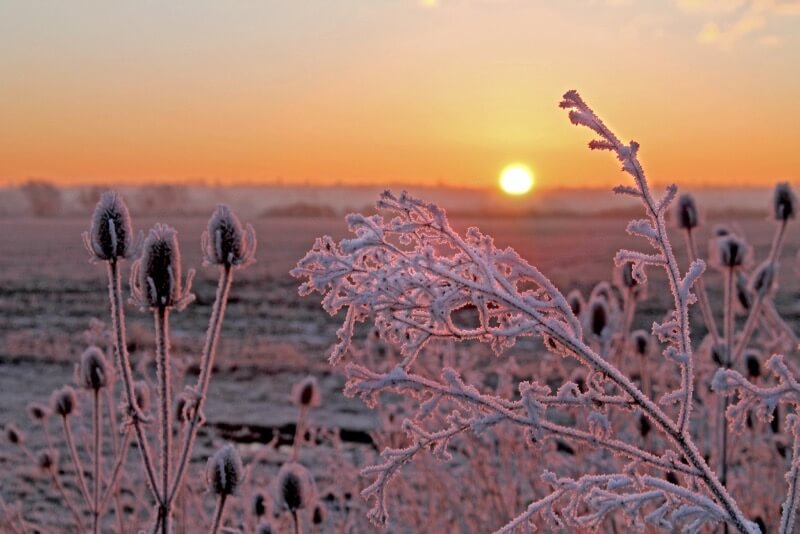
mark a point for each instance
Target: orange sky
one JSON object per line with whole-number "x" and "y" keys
{"x": 396, "y": 91}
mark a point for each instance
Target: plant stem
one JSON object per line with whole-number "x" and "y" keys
{"x": 97, "y": 470}
{"x": 76, "y": 461}
{"x": 298, "y": 529}
{"x": 298, "y": 434}
{"x": 121, "y": 455}
{"x": 730, "y": 274}
{"x": 700, "y": 290}
{"x": 218, "y": 514}
{"x": 121, "y": 346}
{"x": 788, "y": 516}
{"x": 165, "y": 397}
{"x": 60, "y": 487}
{"x": 207, "y": 363}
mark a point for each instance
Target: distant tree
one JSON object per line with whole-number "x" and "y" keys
{"x": 43, "y": 197}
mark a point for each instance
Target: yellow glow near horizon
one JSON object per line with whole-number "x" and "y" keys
{"x": 516, "y": 179}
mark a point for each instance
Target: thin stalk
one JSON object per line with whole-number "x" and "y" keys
{"x": 121, "y": 347}
{"x": 96, "y": 412}
{"x": 789, "y": 514}
{"x": 116, "y": 470}
{"x": 726, "y": 362}
{"x": 207, "y": 363}
{"x": 76, "y": 461}
{"x": 700, "y": 290}
{"x": 218, "y": 514}
{"x": 298, "y": 434}
{"x": 298, "y": 529}
{"x": 64, "y": 495}
{"x": 161, "y": 316}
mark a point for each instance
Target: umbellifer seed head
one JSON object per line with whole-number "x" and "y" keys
{"x": 226, "y": 242}
{"x": 224, "y": 471}
{"x": 156, "y": 276}
{"x": 110, "y": 236}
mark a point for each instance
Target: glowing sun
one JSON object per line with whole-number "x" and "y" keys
{"x": 516, "y": 179}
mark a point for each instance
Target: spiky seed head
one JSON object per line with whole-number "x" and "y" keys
{"x": 784, "y": 202}
{"x": 156, "y": 276}
{"x": 686, "y": 214}
{"x": 94, "y": 371}
{"x": 47, "y": 460}
{"x": 141, "y": 392}
{"x": 305, "y": 393}
{"x": 226, "y": 242}
{"x": 744, "y": 297}
{"x": 730, "y": 252}
{"x": 38, "y": 412}
{"x": 14, "y": 435}
{"x": 641, "y": 342}
{"x": 64, "y": 401}
{"x": 576, "y": 302}
{"x": 318, "y": 517}
{"x": 295, "y": 487}
{"x": 110, "y": 237}
{"x": 763, "y": 281}
{"x": 224, "y": 471}
{"x": 626, "y": 275}
{"x": 753, "y": 364}
{"x": 644, "y": 425}
{"x": 598, "y": 317}
{"x": 264, "y": 527}
{"x": 259, "y": 505}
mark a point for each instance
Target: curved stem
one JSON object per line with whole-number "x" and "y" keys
{"x": 161, "y": 316}
{"x": 207, "y": 363}
{"x": 76, "y": 461}
{"x": 121, "y": 348}
{"x": 64, "y": 495}
{"x": 112, "y": 482}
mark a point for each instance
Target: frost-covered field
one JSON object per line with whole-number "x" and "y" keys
{"x": 271, "y": 339}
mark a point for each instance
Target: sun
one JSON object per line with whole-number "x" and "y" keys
{"x": 516, "y": 179}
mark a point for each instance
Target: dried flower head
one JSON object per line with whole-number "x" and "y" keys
{"x": 94, "y": 371}
{"x": 640, "y": 340}
{"x": 295, "y": 487}
{"x": 318, "y": 517}
{"x": 110, "y": 236}
{"x": 259, "y": 505}
{"x": 64, "y": 401}
{"x": 721, "y": 230}
{"x": 141, "y": 392}
{"x": 752, "y": 364}
{"x": 686, "y": 214}
{"x": 38, "y": 412}
{"x": 47, "y": 460}
{"x": 729, "y": 252}
{"x": 764, "y": 280}
{"x": 576, "y": 302}
{"x": 305, "y": 393}
{"x": 224, "y": 471}
{"x": 225, "y": 242}
{"x": 744, "y": 298}
{"x": 598, "y": 317}
{"x": 156, "y": 276}
{"x": 14, "y": 435}
{"x": 264, "y": 527}
{"x": 784, "y": 202}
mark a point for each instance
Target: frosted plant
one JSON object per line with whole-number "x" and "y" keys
{"x": 412, "y": 274}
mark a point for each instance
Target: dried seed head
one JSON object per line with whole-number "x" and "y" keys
{"x": 110, "y": 236}
{"x": 224, "y": 471}
{"x": 763, "y": 281}
{"x": 38, "y": 412}
{"x": 141, "y": 391}
{"x": 784, "y": 202}
{"x": 743, "y": 295}
{"x": 644, "y": 425}
{"x": 156, "y": 276}
{"x": 295, "y": 487}
{"x": 94, "y": 371}
{"x": 14, "y": 435}
{"x": 63, "y": 401}
{"x": 576, "y": 302}
{"x": 752, "y": 363}
{"x": 598, "y": 317}
{"x": 305, "y": 393}
{"x": 730, "y": 251}
{"x": 686, "y": 215}
{"x": 47, "y": 460}
{"x": 225, "y": 242}
{"x": 641, "y": 342}
{"x": 259, "y": 505}
{"x": 318, "y": 517}
{"x": 721, "y": 230}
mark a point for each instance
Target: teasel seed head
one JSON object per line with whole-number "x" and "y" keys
{"x": 14, "y": 435}
{"x": 264, "y": 527}
{"x": 305, "y": 394}
{"x": 730, "y": 251}
{"x": 224, "y": 472}
{"x": 640, "y": 340}
{"x": 47, "y": 460}
{"x": 94, "y": 371}
{"x": 576, "y": 302}
{"x": 598, "y": 317}
{"x": 753, "y": 364}
{"x": 763, "y": 281}
{"x": 110, "y": 237}
{"x": 295, "y": 487}
{"x": 784, "y": 202}
{"x": 744, "y": 297}
{"x": 38, "y": 412}
{"x": 686, "y": 214}
{"x": 64, "y": 401}
{"x": 259, "y": 505}
{"x": 156, "y": 275}
{"x": 226, "y": 242}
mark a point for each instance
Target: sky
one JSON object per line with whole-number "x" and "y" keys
{"x": 432, "y": 92}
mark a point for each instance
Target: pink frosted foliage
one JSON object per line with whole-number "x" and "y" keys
{"x": 411, "y": 275}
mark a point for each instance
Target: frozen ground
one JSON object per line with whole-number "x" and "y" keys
{"x": 271, "y": 337}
